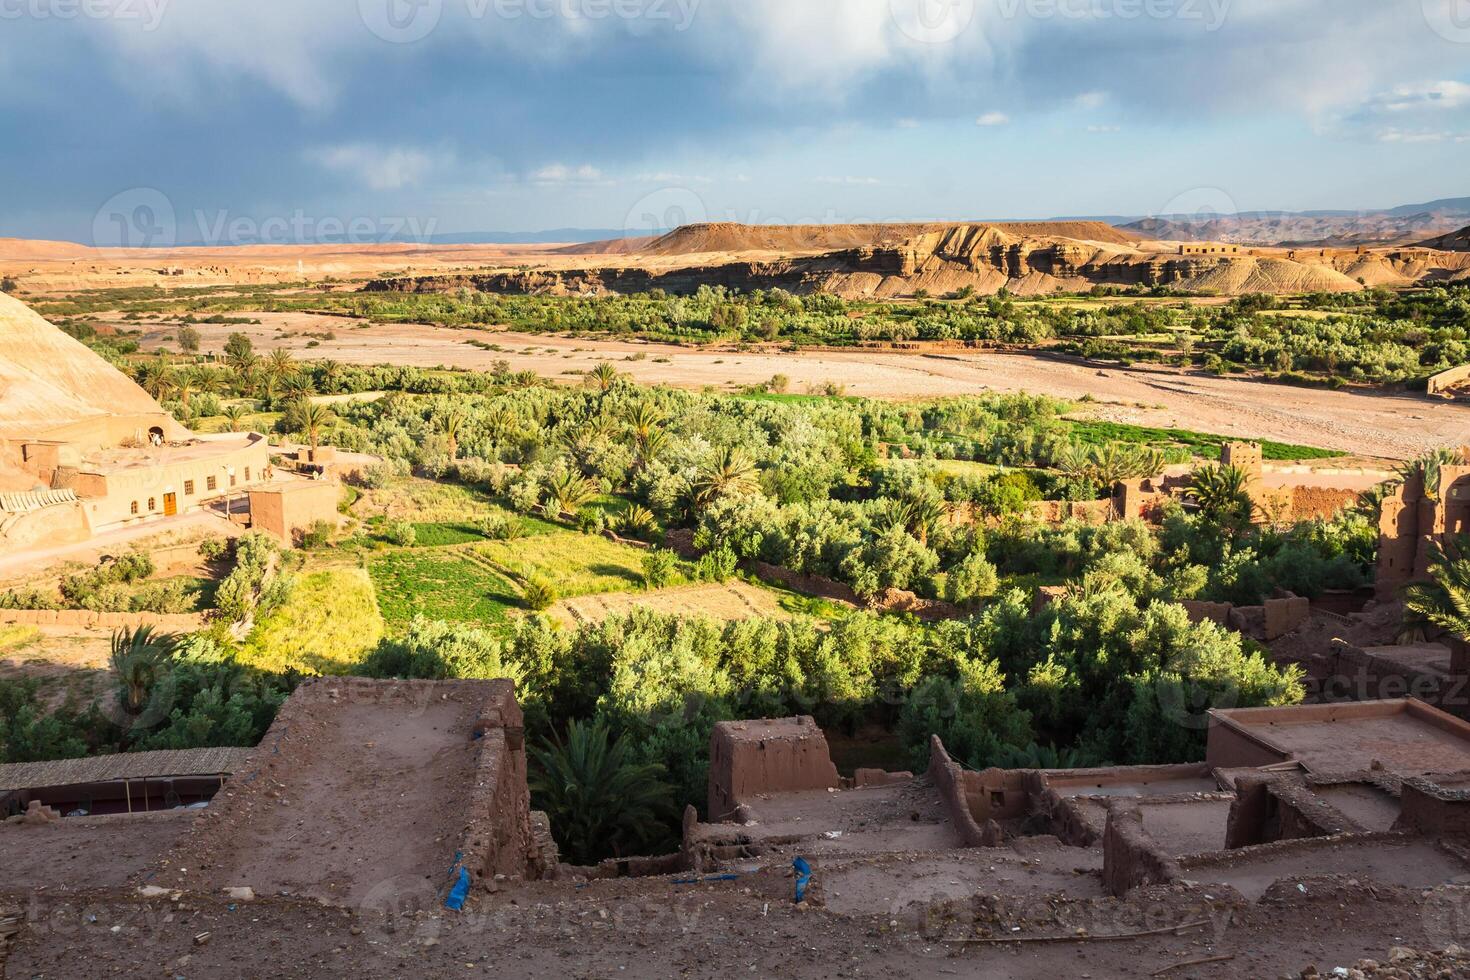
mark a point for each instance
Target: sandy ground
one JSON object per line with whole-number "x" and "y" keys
{"x": 192, "y": 526}
{"x": 350, "y": 833}
{"x": 1381, "y": 425}
{"x": 86, "y": 852}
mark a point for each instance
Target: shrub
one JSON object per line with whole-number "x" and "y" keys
{"x": 972, "y": 579}
{"x": 501, "y": 527}
{"x": 400, "y": 533}
{"x": 659, "y": 568}
{"x": 317, "y": 535}
{"x": 540, "y": 594}
{"x": 717, "y": 565}
{"x": 165, "y": 598}
{"x": 215, "y": 549}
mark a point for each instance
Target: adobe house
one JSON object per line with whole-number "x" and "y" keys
{"x": 83, "y": 449}
{"x": 1416, "y": 518}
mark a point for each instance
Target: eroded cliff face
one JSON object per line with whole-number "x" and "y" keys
{"x": 985, "y": 258}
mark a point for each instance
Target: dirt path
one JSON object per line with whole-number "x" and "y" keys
{"x": 1390, "y": 426}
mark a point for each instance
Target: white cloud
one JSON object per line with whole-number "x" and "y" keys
{"x": 1104, "y": 129}
{"x": 993, "y": 119}
{"x": 560, "y": 173}
{"x": 1091, "y": 100}
{"x": 379, "y": 168}
{"x": 1432, "y": 96}
{"x": 663, "y": 177}
{"x": 851, "y": 181}
{"x": 908, "y": 124}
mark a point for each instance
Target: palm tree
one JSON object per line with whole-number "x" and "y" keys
{"x": 279, "y": 364}
{"x": 330, "y": 373}
{"x": 242, "y": 361}
{"x": 310, "y": 419}
{"x": 569, "y": 491}
{"x": 138, "y": 657}
{"x": 235, "y": 416}
{"x": 450, "y": 424}
{"x": 604, "y": 376}
{"x": 731, "y": 473}
{"x": 601, "y": 801}
{"x": 644, "y": 419}
{"x": 651, "y": 446}
{"x": 1223, "y": 495}
{"x": 298, "y": 387}
{"x": 1443, "y": 601}
{"x": 156, "y": 378}
{"x": 185, "y": 383}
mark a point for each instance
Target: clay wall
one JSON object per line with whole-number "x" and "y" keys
{"x": 1324, "y": 502}
{"x": 1270, "y": 808}
{"x": 1229, "y": 747}
{"x": 1434, "y": 810}
{"x": 948, "y": 779}
{"x": 286, "y": 510}
{"x": 1284, "y": 616}
{"x": 1453, "y": 378}
{"x": 499, "y": 838}
{"x": 188, "y": 623}
{"x": 1131, "y": 857}
{"x": 756, "y": 758}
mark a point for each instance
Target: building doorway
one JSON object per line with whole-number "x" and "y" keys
{"x": 170, "y": 504}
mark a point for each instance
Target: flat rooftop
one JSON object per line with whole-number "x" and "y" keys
{"x": 773, "y": 729}
{"x": 169, "y": 454}
{"x": 1404, "y": 736}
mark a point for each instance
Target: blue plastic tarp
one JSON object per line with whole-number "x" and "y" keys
{"x": 803, "y": 877}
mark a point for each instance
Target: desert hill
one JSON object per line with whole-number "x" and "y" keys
{"x": 49, "y": 381}
{"x": 1025, "y": 258}
{"x": 788, "y": 239}
{"x": 1456, "y": 241}
{"x": 1332, "y": 229}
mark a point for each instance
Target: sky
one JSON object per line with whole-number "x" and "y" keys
{"x": 223, "y": 121}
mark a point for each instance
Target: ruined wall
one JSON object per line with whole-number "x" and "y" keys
{"x": 949, "y": 779}
{"x": 1281, "y": 807}
{"x": 48, "y": 527}
{"x": 1130, "y": 856}
{"x": 1438, "y": 811}
{"x": 499, "y": 838}
{"x": 756, "y": 758}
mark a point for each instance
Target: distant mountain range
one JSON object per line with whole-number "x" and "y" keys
{"x": 1404, "y": 225}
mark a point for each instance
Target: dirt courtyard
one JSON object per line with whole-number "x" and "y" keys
{"x": 1382, "y": 425}
{"x": 411, "y": 772}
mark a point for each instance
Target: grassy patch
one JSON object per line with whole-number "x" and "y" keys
{"x": 440, "y": 585}
{"x": 577, "y": 564}
{"x": 1199, "y": 443}
{"x": 445, "y": 534}
{"x": 327, "y": 623}
{"x": 15, "y": 638}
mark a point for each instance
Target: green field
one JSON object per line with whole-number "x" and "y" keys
{"x": 327, "y": 624}
{"x": 1198, "y": 443}
{"x": 443, "y": 585}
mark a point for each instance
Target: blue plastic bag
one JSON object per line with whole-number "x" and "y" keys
{"x": 460, "y": 892}
{"x": 803, "y": 877}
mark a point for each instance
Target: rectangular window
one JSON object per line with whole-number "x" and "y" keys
{"x": 247, "y": 474}
{"x": 188, "y": 488}
{"x": 211, "y": 483}
{"x": 135, "y": 507}
{"x": 151, "y": 505}
{"x": 232, "y": 479}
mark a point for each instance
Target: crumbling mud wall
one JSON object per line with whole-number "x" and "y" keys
{"x": 1131, "y": 858}
{"x": 949, "y": 779}
{"x": 756, "y": 758}
{"x": 499, "y": 838}
{"x": 1434, "y": 810}
{"x": 1270, "y": 808}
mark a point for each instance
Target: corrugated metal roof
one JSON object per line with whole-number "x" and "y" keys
{"x": 133, "y": 765}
